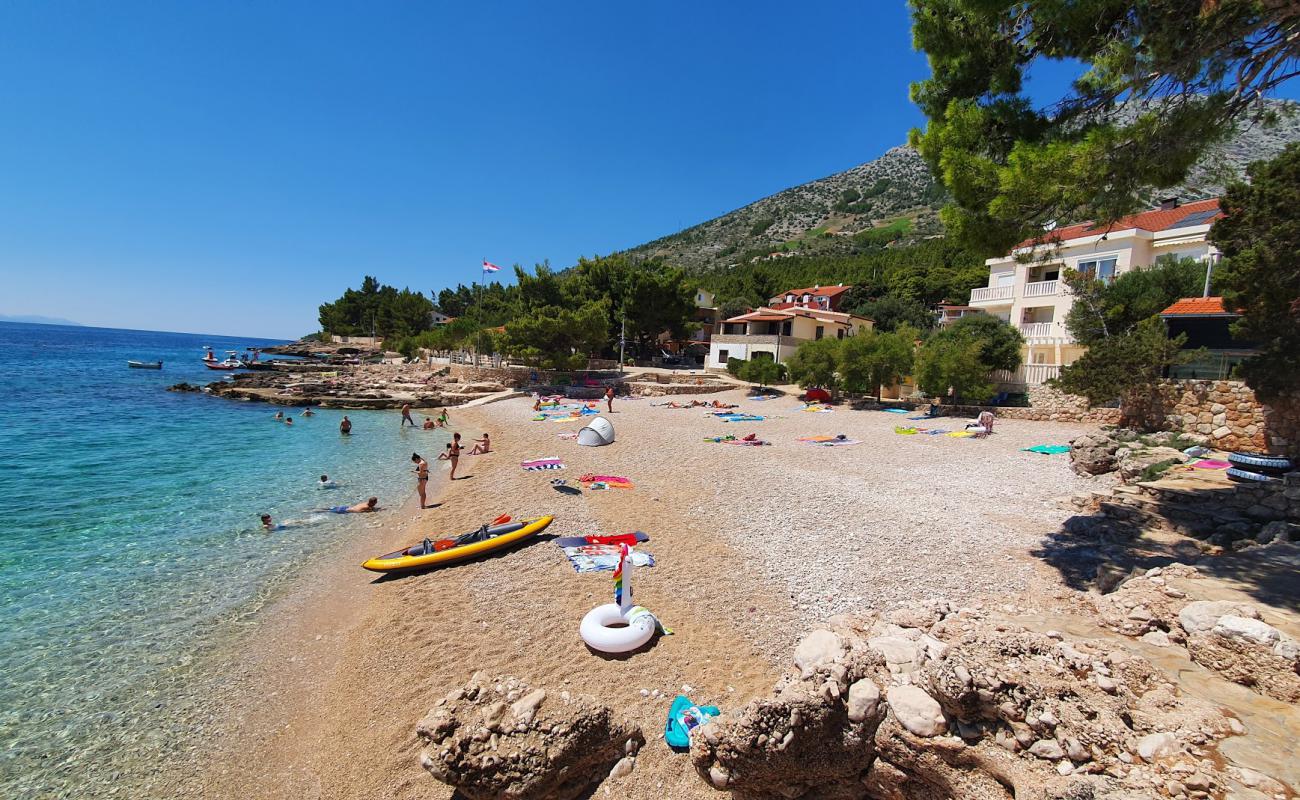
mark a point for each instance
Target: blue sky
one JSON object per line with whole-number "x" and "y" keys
{"x": 226, "y": 167}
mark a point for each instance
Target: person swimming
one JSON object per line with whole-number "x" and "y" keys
{"x": 326, "y": 483}
{"x": 307, "y": 412}
{"x": 428, "y": 424}
{"x": 269, "y": 524}
{"x": 288, "y": 420}
{"x": 279, "y": 415}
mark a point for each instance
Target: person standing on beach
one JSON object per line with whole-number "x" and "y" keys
{"x": 453, "y": 452}
{"x": 609, "y": 398}
{"x": 406, "y": 416}
{"x": 345, "y": 427}
{"x": 421, "y": 475}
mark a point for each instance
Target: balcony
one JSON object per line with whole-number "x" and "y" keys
{"x": 997, "y": 295}
{"x": 1027, "y": 375}
{"x": 1039, "y": 330}
{"x": 1042, "y": 288}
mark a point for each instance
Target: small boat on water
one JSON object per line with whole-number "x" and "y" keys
{"x": 224, "y": 366}
{"x": 144, "y": 364}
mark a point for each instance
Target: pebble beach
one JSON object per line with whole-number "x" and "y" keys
{"x": 752, "y": 545}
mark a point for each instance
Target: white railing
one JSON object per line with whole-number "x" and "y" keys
{"x": 1037, "y": 330}
{"x": 991, "y": 293}
{"x": 1026, "y": 375}
{"x": 1041, "y": 288}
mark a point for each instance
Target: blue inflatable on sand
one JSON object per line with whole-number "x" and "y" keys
{"x": 683, "y": 717}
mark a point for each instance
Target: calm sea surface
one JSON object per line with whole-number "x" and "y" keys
{"x": 130, "y": 549}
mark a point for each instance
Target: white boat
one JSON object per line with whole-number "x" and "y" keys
{"x": 144, "y": 364}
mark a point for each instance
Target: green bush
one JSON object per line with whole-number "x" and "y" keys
{"x": 735, "y": 365}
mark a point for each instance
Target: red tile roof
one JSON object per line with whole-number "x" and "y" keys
{"x": 1197, "y": 307}
{"x": 1154, "y": 220}
{"x": 815, "y": 291}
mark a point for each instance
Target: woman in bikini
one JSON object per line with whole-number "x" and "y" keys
{"x": 481, "y": 446}
{"x": 421, "y": 476}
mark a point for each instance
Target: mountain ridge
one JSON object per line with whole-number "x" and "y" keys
{"x": 894, "y": 199}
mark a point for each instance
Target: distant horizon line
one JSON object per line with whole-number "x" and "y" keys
{"x": 80, "y": 326}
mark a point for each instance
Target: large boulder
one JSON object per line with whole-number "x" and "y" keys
{"x": 504, "y": 740}
{"x": 813, "y": 738}
{"x": 1093, "y": 454}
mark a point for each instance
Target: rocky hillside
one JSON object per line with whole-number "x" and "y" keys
{"x": 895, "y": 198}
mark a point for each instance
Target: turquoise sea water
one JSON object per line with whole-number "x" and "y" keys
{"x": 129, "y": 540}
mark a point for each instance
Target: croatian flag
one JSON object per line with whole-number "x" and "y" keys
{"x": 488, "y": 266}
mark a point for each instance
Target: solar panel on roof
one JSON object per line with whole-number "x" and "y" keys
{"x": 1196, "y": 218}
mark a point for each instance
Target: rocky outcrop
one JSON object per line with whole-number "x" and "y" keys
{"x": 501, "y": 739}
{"x": 1227, "y": 637}
{"x": 939, "y": 703}
{"x": 814, "y": 736}
{"x": 1093, "y": 454}
{"x": 1124, "y": 451}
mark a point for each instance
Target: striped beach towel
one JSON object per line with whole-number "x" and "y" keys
{"x": 541, "y": 464}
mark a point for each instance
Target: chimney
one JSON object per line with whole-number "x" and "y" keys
{"x": 1168, "y": 203}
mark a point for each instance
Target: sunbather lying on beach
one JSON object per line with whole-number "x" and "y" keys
{"x": 364, "y": 506}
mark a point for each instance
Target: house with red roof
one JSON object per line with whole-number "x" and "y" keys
{"x": 1025, "y": 287}
{"x": 1207, "y": 324}
{"x": 793, "y": 317}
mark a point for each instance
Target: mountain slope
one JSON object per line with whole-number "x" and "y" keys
{"x": 895, "y": 198}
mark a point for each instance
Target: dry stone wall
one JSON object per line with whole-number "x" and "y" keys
{"x": 1227, "y": 412}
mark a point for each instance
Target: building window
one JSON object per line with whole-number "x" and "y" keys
{"x": 821, "y": 331}
{"x": 1102, "y": 269}
{"x": 840, "y": 334}
{"x": 723, "y": 355}
{"x": 785, "y": 328}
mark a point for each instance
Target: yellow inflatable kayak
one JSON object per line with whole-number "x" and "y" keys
{"x": 433, "y": 552}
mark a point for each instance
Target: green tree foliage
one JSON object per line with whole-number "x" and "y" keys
{"x": 763, "y": 371}
{"x": 455, "y": 302}
{"x": 814, "y": 363}
{"x": 559, "y": 338}
{"x": 872, "y": 360}
{"x": 891, "y": 312}
{"x": 1162, "y": 81}
{"x": 1124, "y": 366}
{"x": 961, "y": 355}
{"x": 389, "y": 312}
{"x": 1260, "y": 236}
{"x": 953, "y": 363}
{"x": 1000, "y": 343}
{"x": 1101, "y": 310}
{"x": 933, "y": 271}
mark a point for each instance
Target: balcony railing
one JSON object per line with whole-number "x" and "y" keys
{"x": 1026, "y": 375}
{"x": 1042, "y": 288}
{"x": 1038, "y": 330}
{"x": 987, "y": 293}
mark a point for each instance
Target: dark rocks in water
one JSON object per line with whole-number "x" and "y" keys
{"x": 185, "y": 387}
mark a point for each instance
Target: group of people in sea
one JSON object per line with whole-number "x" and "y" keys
{"x": 287, "y": 419}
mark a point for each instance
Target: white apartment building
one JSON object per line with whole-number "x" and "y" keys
{"x": 1026, "y": 290}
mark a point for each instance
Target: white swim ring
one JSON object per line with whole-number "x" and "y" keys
{"x": 634, "y": 628}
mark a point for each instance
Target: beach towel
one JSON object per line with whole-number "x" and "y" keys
{"x": 629, "y": 539}
{"x": 741, "y": 418}
{"x": 896, "y": 411}
{"x": 748, "y": 442}
{"x": 569, "y": 436}
{"x": 836, "y": 443}
{"x": 936, "y": 431}
{"x": 899, "y": 429}
{"x": 1047, "y": 449}
{"x": 960, "y": 434}
{"x": 541, "y": 464}
{"x": 611, "y": 481}
{"x": 1211, "y": 463}
{"x": 716, "y": 439}
{"x": 814, "y": 439}
{"x": 603, "y": 557}
{"x": 813, "y": 408}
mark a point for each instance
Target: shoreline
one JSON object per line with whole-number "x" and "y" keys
{"x": 753, "y": 546}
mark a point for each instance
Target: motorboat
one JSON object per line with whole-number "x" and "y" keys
{"x": 144, "y": 364}
{"x": 225, "y": 366}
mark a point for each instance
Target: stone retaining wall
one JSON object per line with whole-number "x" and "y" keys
{"x": 1228, "y": 412}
